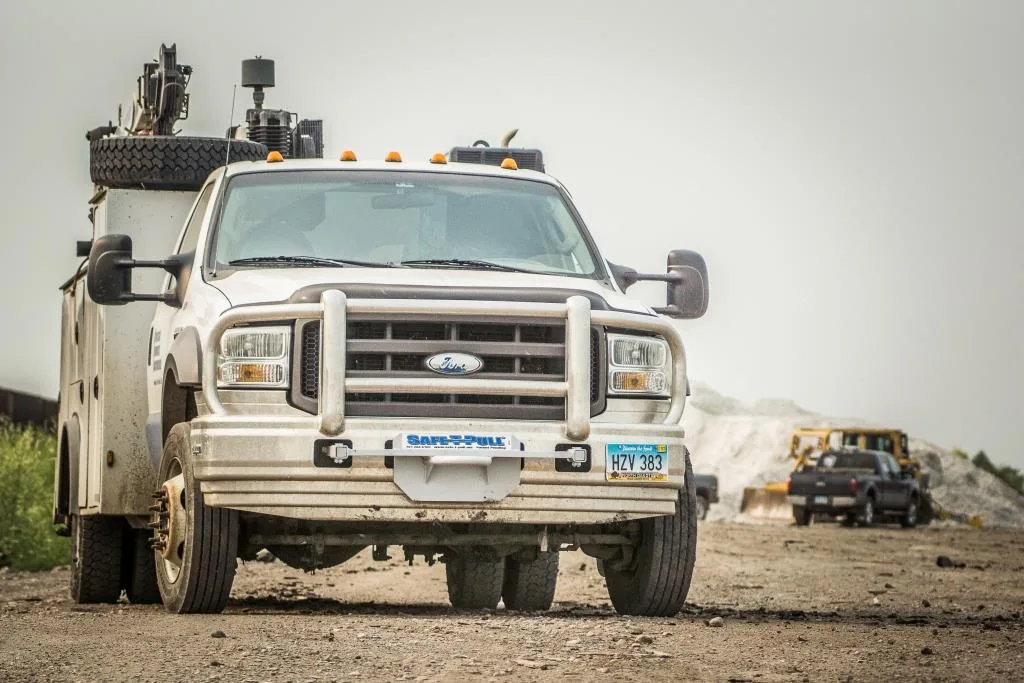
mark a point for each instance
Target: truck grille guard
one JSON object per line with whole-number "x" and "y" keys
{"x": 335, "y": 307}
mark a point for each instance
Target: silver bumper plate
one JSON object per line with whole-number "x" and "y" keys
{"x": 436, "y": 467}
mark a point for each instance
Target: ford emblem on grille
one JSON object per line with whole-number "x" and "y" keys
{"x": 454, "y": 363}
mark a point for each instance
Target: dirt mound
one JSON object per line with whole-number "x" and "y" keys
{"x": 746, "y": 445}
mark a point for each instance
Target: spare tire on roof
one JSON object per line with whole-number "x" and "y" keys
{"x": 157, "y": 162}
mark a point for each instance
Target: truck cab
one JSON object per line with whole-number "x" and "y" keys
{"x": 330, "y": 355}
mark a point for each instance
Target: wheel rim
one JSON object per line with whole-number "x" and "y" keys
{"x": 701, "y": 508}
{"x": 169, "y": 529}
{"x": 869, "y": 512}
{"x": 912, "y": 513}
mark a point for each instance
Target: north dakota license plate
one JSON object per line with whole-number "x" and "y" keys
{"x": 636, "y": 462}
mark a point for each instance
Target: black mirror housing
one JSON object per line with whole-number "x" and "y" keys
{"x": 109, "y": 279}
{"x": 687, "y": 285}
{"x": 109, "y": 276}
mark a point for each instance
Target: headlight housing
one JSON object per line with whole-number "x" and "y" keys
{"x": 254, "y": 357}
{"x": 639, "y": 366}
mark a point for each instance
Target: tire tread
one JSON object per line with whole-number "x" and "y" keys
{"x": 474, "y": 581}
{"x": 96, "y": 572}
{"x": 530, "y": 585}
{"x": 661, "y": 582}
{"x": 164, "y": 162}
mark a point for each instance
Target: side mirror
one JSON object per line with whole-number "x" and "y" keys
{"x": 687, "y": 279}
{"x": 688, "y": 286}
{"x": 109, "y": 276}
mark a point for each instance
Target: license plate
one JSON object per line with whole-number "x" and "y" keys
{"x": 821, "y": 500}
{"x": 636, "y": 462}
{"x": 462, "y": 442}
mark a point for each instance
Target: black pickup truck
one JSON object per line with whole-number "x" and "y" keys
{"x": 707, "y": 493}
{"x": 860, "y": 486}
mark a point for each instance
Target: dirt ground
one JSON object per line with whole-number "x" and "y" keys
{"x": 821, "y": 603}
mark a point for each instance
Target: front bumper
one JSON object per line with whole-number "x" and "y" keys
{"x": 267, "y": 466}
{"x": 265, "y": 463}
{"x": 814, "y": 502}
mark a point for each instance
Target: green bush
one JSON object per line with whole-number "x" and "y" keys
{"x": 27, "y": 538}
{"x": 1011, "y": 476}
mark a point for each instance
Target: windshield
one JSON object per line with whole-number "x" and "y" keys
{"x": 380, "y": 218}
{"x": 847, "y": 461}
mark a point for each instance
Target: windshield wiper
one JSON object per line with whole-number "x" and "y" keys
{"x": 463, "y": 263}
{"x": 307, "y": 261}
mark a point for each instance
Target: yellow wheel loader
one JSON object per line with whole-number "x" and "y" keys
{"x": 807, "y": 443}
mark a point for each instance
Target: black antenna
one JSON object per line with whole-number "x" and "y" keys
{"x": 227, "y": 155}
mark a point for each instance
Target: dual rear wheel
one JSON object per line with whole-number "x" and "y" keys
{"x": 191, "y": 564}
{"x": 479, "y": 580}
{"x": 653, "y": 580}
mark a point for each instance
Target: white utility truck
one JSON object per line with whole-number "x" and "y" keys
{"x": 329, "y": 355}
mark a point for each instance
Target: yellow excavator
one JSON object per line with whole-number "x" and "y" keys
{"x": 807, "y": 443}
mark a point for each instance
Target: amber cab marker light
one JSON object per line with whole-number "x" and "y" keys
{"x": 348, "y": 155}
{"x": 438, "y": 158}
{"x": 393, "y": 156}
{"x": 274, "y": 157}
{"x": 510, "y": 164}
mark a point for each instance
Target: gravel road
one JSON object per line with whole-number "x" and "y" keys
{"x": 795, "y": 604}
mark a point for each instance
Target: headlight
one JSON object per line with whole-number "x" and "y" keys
{"x": 254, "y": 357}
{"x": 638, "y": 365}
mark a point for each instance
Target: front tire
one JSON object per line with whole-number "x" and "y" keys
{"x": 909, "y": 518}
{"x": 658, "y": 580}
{"x": 530, "y": 584}
{"x": 197, "y": 568}
{"x": 95, "y": 558}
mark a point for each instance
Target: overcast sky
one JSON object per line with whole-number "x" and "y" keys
{"x": 853, "y": 172}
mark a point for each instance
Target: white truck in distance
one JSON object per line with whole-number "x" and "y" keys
{"x": 335, "y": 355}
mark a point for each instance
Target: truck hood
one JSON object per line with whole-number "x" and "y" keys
{"x": 275, "y": 285}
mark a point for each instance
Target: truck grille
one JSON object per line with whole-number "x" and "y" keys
{"x": 384, "y": 348}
